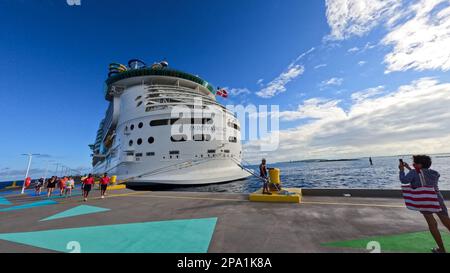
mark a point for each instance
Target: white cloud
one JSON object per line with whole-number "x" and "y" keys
{"x": 260, "y": 81}
{"x": 353, "y": 49}
{"x": 278, "y": 85}
{"x": 361, "y": 63}
{"x": 418, "y": 31}
{"x": 332, "y": 82}
{"x": 368, "y": 93}
{"x": 412, "y": 119}
{"x": 314, "y": 108}
{"x": 358, "y": 50}
{"x": 368, "y": 46}
{"x": 320, "y": 66}
{"x": 348, "y": 18}
{"x": 423, "y": 41}
{"x": 238, "y": 91}
{"x": 304, "y": 54}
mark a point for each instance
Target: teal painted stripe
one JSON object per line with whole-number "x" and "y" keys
{"x": 176, "y": 236}
{"x": 4, "y": 201}
{"x": 79, "y": 210}
{"x": 30, "y": 205}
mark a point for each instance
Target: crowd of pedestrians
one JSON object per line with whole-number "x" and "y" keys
{"x": 66, "y": 185}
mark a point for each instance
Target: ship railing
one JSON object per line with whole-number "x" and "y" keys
{"x": 174, "y": 88}
{"x": 160, "y": 72}
{"x": 191, "y": 106}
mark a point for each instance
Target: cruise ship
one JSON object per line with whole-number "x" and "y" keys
{"x": 165, "y": 127}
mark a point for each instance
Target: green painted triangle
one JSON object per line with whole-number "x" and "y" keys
{"x": 79, "y": 210}
{"x": 176, "y": 236}
{"x": 417, "y": 242}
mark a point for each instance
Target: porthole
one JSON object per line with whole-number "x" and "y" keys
{"x": 138, "y": 98}
{"x": 132, "y": 127}
{"x": 151, "y": 140}
{"x": 130, "y": 143}
{"x": 139, "y": 104}
{"x": 139, "y": 141}
{"x": 140, "y": 125}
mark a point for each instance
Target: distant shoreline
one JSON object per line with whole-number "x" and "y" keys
{"x": 439, "y": 155}
{"x": 323, "y": 160}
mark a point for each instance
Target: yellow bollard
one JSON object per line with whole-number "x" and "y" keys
{"x": 274, "y": 175}
{"x": 114, "y": 185}
{"x": 288, "y": 195}
{"x": 13, "y": 186}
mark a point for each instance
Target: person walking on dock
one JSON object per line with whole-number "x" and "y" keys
{"x": 87, "y": 186}
{"x": 39, "y": 185}
{"x": 82, "y": 183}
{"x": 264, "y": 177}
{"x": 104, "y": 181}
{"x": 62, "y": 185}
{"x": 70, "y": 184}
{"x": 370, "y": 161}
{"x": 51, "y": 184}
{"x": 422, "y": 176}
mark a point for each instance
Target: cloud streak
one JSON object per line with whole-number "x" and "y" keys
{"x": 278, "y": 85}
{"x": 331, "y": 82}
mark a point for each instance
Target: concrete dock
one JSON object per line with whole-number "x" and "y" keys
{"x": 142, "y": 221}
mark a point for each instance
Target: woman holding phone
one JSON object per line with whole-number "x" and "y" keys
{"x": 422, "y": 164}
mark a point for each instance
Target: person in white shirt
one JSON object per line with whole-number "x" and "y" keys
{"x": 70, "y": 184}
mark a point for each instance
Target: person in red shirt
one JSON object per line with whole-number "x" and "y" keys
{"x": 88, "y": 182}
{"x": 104, "y": 181}
{"x": 62, "y": 185}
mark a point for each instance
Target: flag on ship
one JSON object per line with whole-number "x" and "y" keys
{"x": 222, "y": 92}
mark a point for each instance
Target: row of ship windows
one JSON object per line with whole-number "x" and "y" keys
{"x": 180, "y": 138}
{"x": 176, "y": 154}
{"x": 192, "y": 121}
{"x": 210, "y": 152}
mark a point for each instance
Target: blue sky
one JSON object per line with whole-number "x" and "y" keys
{"x": 330, "y": 65}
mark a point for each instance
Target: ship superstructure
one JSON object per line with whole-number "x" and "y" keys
{"x": 165, "y": 126}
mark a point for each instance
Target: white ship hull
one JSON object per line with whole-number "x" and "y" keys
{"x": 137, "y": 143}
{"x": 195, "y": 173}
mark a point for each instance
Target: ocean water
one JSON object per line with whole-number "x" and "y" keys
{"x": 357, "y": 174}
